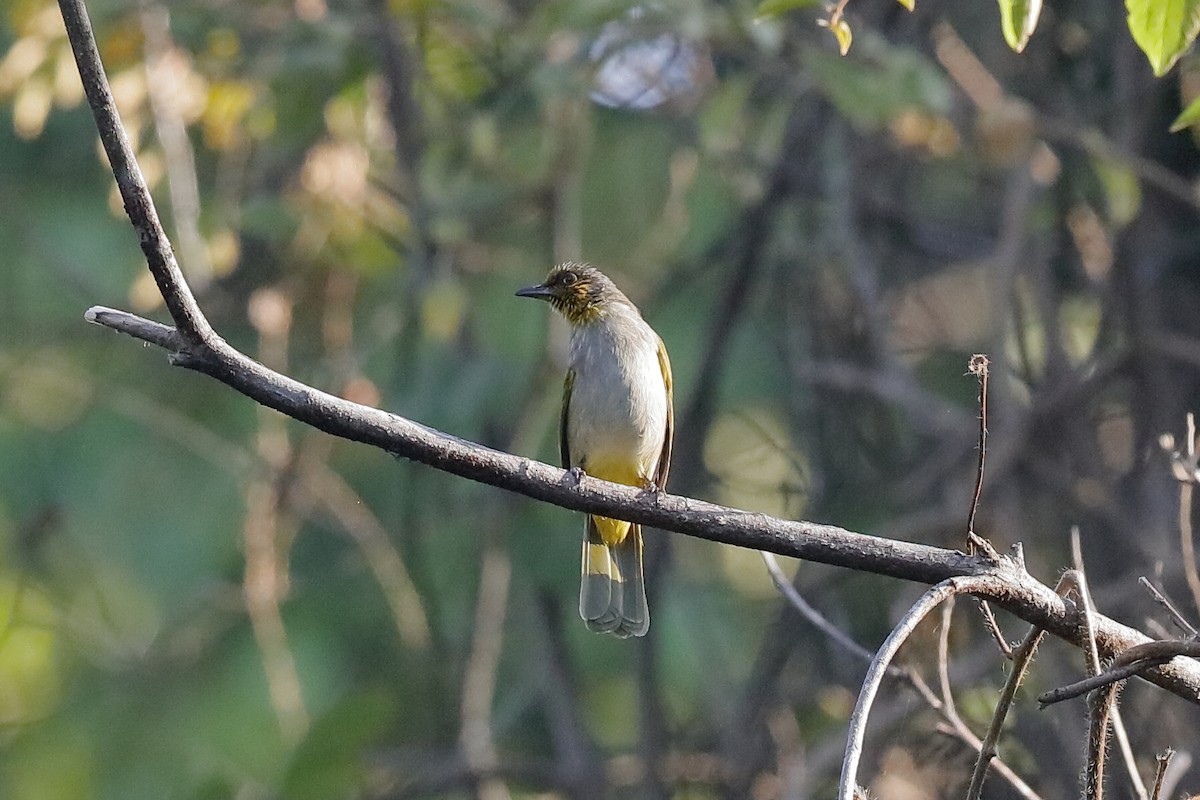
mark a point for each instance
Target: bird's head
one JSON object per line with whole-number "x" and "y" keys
{"x": 579, "y": 292}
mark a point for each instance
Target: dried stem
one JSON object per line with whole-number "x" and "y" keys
{"x": 1176, "y": 615}
{"x": 978, "y": 367}
{"x": 1163, "y": 761}
{"x": 1100, "y": 708}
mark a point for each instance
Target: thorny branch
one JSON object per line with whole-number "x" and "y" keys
{"x": 192, "y": 343}
{"x": 1104, "y": 702}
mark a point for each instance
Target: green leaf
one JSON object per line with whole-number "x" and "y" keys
{"x": 1188, "y": 117}
{"x": 1164, "y": 29}
{"x": 774, "y": 8}
{"x": 1018, "y": 20}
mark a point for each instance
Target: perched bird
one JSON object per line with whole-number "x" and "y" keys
{"x": 617, "y": 424}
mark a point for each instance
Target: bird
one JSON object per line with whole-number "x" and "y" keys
{"x": 617, "y": 424}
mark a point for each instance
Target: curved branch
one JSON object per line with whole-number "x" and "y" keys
{"x": 193, "y": 343}
{"x": 848, "y": 784}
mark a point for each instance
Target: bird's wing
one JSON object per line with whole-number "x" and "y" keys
{"x": 564, "y": 447}
{"x": 664, "y": 459}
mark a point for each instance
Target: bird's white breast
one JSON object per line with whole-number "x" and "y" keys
{"x": 618, "y": 408}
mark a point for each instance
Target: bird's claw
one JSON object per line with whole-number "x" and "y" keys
{"x": 653, "y": 490}
{"x": 576, "y": 474}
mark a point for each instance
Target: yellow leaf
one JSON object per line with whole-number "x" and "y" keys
{"x": 841, "y": 32}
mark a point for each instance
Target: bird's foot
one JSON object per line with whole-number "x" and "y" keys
{"x": 575, "y": 475}
{"x": 653, "y": 491}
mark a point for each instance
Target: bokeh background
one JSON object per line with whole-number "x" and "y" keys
{"x": 201, "y": 599}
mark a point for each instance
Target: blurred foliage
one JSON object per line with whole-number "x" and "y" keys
{"x": 199, "y": 599}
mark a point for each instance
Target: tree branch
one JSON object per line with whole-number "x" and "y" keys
{"x": 193, "y": 343}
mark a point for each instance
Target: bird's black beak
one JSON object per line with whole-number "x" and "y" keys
{"x": 541, "y": 291}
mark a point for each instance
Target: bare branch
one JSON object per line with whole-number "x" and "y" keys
{"x": 164, "y": 336}
{"x": 1125, "y": 665}
{"x": 188, "y": 318}
{"x": 1174, "y": 772}
{"x": 194, "y": 344}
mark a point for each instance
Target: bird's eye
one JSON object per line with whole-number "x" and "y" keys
{"x": 569, "y": 278}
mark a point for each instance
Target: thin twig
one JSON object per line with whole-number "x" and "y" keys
{"x": 978, "y": 367}
{"x": 1176, "y": 615}
{"x": 1187, "y": 545}
{"x": 957, "y": 728}
{"x": 1112, "y": 675}
{"x": 931, "y": 599}
{"x": 811, "y": 614}
{"x": 1162, "y": 760}
{"x": 1022, "y": 658}
{"x": 1175, "y": 772}
{"x": 1126, "y": 664}
{"x": 943, "y": 657}
{"x": 1102, "y": 703}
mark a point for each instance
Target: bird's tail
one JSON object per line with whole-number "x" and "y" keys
{"x": 612, "y": 588}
